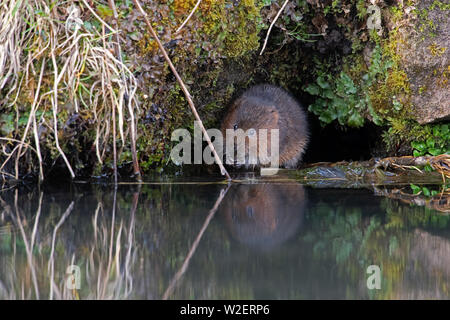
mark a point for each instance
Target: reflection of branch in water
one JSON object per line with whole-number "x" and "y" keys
{"x": 15, "y": 217}
{"x": 51, "y": 262}
{"x": 28, "y": 248}
{"x": 108, "y": 268}
{"x": 36, "y": 221}
{"x": 194, "y": 246}
{"x": 129, "y": 278}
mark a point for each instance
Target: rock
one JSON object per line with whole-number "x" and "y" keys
{"x": 424, "y": 52}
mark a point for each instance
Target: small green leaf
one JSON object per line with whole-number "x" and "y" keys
{"x": 322, "y": 83}
{"x": 348, "y": 83}
{"x": 327, "y": 116}
{"x": 417, "y": 153}
{"x": 328, "y": 93}
{"x": 355, "y": 120}
{"x": 430, "y": 143}
{"x": 436, "y": 131}
{"x": 434, "y": 151}
{"x": 312, "y": 89}
{"x": 419, "y": 145}
{"x": 415, "y": 189}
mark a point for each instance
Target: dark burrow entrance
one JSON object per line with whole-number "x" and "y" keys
{"x": 334, "y": 143}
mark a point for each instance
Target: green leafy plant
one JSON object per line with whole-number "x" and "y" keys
{"x": 341, "y": 99}
{"x": 337, "y": 100}
{"x": 438, "y": 143}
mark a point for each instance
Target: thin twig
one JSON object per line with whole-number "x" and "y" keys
{"x": 113, "y": 219}
{"x": 136, "y": 167}
{"x": 190, "y": 15}
{"x": 36, "y": 221}
{"x": 97, "y": 16}
{"x": 185, "y": 91}
{"x": 272, "y": 24}
{"x": 35, "y": 130}
{"x": 113, "y": 114}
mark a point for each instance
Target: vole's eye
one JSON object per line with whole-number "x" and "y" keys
{"x": 235, "y": 127}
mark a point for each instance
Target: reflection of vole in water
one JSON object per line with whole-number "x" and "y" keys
{"x": 269, "y": 107}
{"x": 264, "y": 215}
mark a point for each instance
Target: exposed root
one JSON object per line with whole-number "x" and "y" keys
{"x": 440, "y": 163}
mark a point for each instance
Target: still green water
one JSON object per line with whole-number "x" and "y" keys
{"x": 265, "y": 241}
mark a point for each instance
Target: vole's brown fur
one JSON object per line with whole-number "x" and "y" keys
{"x": 269, "y": 107}
{"x": 264, "y": 215}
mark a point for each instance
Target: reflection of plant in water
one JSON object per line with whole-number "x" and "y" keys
{"x": 344, "y": 234}
{"x": 400, "y": 216}
{"x": 389, "y": 244}
{"x": 342, "y": 230}
{"x": 434, "y": 197}
{"x": 338, "y": 237}
{"x": 148, "y": 241}
{"x": 106, "y": 266}
{"x": 356, "y": 241}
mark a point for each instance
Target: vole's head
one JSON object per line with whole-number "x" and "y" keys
{"x": 243, "y": 125}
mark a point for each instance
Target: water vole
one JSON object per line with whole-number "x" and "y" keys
{"x": 269, "y": 107}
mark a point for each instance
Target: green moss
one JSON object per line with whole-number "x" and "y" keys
{"x": 246, "y": 26}
{"x": 233, "y": 29}
{"x": 426, "y": 25}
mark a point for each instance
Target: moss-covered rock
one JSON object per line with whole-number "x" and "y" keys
{"x": 423, "y": 40}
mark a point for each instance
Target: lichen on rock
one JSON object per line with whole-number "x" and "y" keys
{"x": 425, "y": 56}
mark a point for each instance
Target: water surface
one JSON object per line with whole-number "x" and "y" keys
{"x": 266, "y": 241}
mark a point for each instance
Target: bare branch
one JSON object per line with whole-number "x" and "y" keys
{"x": 186, "y": 92}
{"x": 189, "y": 16}
{"x": 272, "y": 24}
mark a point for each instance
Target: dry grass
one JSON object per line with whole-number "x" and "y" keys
{"x": 87, "y": 70}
